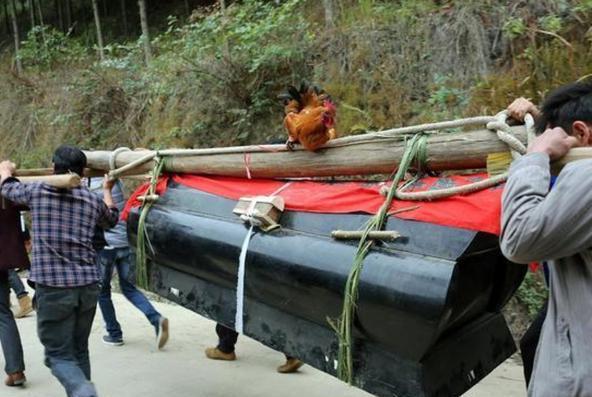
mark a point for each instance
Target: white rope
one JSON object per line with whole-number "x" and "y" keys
{"x": 529, "y": 123}
{"x": 113, "y": 157}
{"x": 281, "y": 189}
{"x": 240, "y": 284}
{"x": 504, "y": 133}
{"x": 249, "y": 217}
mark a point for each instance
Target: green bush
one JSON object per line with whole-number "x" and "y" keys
{"x": 532, "y": 293}
{"x": 47, "y": 47}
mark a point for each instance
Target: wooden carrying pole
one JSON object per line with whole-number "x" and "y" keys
{"x": 65, "y": 181}
{"x": 355, "y": 155}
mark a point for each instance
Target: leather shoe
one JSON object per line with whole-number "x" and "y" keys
{"x": 216, "y": 354}
{"x": 291, "y": 365}
{"x": 16, "y": 379}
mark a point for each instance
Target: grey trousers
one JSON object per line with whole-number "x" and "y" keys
{"x": 9, "y": 335}
{"x": 64, "y": 321}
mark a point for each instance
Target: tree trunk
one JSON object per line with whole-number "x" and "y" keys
{"x": 15, "y": 31}
{"x": 124, "y": 18}
{"x": 7, "y": 19}
{"x": 187, "y": 8}
{"x": 99, "y": 32}
{"x": 145, "y": 32}
{"x": 32, "y": 13}
{"x": 58, "y": 7}
{"x": 68, "y": 9}
{"x": 329, "y": 14}
{"x": 40, "y": 12}
{"x": 226, "y": 48}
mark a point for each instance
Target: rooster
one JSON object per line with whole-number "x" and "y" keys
{"x": 309, "y": 116}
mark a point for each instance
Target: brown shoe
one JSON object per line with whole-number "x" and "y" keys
{"x": 291, "y": 365}
{"x": 16, "y": 379}
{"x": 216, "y": 354}
{"x": 25, "y": 307}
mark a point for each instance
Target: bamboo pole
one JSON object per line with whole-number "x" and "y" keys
{"x": 64, "y": 181}
{"x": 385, "y": 235}
{"x": 366, "y": 154}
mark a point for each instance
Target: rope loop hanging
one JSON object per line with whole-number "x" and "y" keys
{"x": 343, "y": 325}
{"x": 143, "y": 240}
{"x": 504, "y": 133}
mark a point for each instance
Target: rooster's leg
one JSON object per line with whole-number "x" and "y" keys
{"x": 290, "y": 144}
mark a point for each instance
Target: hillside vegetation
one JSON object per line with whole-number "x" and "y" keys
{"x": 214, "y": 75}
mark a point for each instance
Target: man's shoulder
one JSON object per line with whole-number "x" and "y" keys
{"x": 577, "y": 169}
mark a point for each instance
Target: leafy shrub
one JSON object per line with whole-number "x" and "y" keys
{"x": 514, "y": 27}
{"x": 46, "y": 47}
{"x": 532, "y": 293}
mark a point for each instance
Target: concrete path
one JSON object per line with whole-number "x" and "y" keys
{"x": 181, "y": 369}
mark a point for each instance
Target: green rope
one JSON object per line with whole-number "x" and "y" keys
{"x": 415, "y": 149}
{"x": 141, "y": 262}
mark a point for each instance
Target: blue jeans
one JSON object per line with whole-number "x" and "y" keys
{"x": 64, "y": 321}
{"x": 9, "y": 335}
{"x": 16, "y": 284}
{"x": 121, "y": 259}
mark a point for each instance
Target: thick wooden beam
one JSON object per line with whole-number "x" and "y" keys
{"x": 356, "y": 155}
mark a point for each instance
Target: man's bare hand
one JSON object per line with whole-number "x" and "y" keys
{"x": 518, "y": 109}
{"x": 7, "y": 169}
{"x": 108, "y": 183}
{"x": 555, "y": 142}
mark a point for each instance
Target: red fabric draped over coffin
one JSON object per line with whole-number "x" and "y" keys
{"x": 478, "y": 211}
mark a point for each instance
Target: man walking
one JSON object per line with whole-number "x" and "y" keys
{"x": 554, "y": 225}
{"x": 116, "y": 255}
{"x": 64, "y": 264}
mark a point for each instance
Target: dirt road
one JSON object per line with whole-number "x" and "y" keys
{"x": 181, "y": 370}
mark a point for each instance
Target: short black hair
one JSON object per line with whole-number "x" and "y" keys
{"x": 68, "y": 158}
{"x": 566, "y": 104}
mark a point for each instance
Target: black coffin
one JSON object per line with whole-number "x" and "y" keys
{"x": 428, "y": 321}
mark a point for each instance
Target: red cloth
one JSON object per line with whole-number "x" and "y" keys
{"x": 478, "y": 211}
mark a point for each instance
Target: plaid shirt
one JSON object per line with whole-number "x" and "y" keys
{"x": 64, "y": 221}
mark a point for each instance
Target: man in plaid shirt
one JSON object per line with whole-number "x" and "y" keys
{"x": 64, "y": 266}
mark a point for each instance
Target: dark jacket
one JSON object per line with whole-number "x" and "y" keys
{"x": 12, "y": 243}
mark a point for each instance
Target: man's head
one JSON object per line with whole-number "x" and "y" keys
{"x": 68, "y": 158}
{"x": 569, "y": 107}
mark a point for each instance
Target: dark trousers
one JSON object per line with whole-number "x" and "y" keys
{"x": 16, "y": 284}
{"x": 530, "y": 341}
{"x": 64, "y": 321}
{"x": 9, "y": 335}
{"x": 227, "y": 338}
